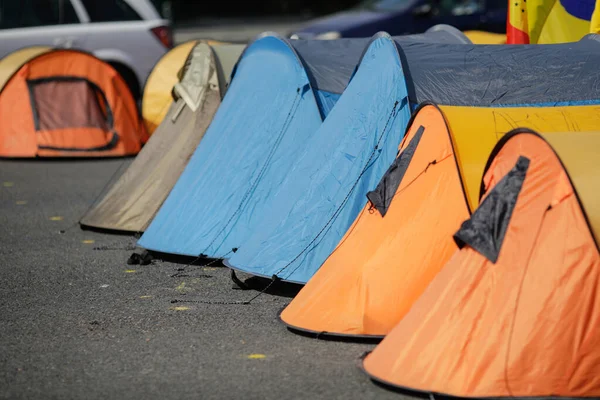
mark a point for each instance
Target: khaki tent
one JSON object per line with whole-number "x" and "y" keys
{"x": 403, "y": 237}
{"x": 514, "y": 313}
{"x": 157, "y": 97}
{"x": 134, "y": 199}
{"x": 65, "y": 103}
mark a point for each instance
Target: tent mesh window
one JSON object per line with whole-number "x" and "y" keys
{"x": 68, "y": 102}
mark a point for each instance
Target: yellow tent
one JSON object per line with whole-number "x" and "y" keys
{"x": 10, "y": 64}
{"x": 513, "y": 313}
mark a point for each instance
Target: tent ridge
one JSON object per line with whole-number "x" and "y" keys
{"x": 287, "y": 42}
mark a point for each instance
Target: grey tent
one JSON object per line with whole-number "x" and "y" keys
{"x": 131, "y": 203}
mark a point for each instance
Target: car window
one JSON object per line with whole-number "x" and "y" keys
{"x": 31, "y": 13}
{"x": 110, "y": 11}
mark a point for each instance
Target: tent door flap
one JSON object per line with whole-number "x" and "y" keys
{"x": 381, "y": 197}
{"x": 485, "y": 230}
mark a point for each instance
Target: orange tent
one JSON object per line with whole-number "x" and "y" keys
{"x": 65, "y": 103}
{"x": 514, "y": 313}
{"x": 403, "y": 237}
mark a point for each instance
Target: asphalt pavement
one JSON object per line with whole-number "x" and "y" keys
{"x": 77, "y": 322}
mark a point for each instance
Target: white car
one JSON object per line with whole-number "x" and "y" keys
{"x": 129, "y": 34}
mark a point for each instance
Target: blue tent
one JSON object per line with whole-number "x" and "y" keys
{"x": 327, "y": 185}
{"x": 280, "y": 92}
{"x": 326, "y": 188}
{"x": 269, "y": 110}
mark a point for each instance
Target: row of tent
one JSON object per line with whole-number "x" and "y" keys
{"x": 418, "y": 188}
{"x": 68, "y": 103}
{"x": 435, "y": 193}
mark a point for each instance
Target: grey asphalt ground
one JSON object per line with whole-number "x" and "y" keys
{"x": 79, "y": 323}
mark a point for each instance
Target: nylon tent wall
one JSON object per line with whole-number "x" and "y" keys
{"x": 157, "y": 97}
{"x": 68, "y": 103}
{"x": 229, "y": 218}
{"x": 295, "y": 239}
{"x": 332, "y": 63}
{"x": 482, "y": 37}
{"x": 403, "y": 237}
{"x": 325, "y": 188}
{"x": 269, "y": 106}
{"x": 134, "y": 199}
{"x": 449, "y": 30}
{"x": 513, "y": 313}
{"x": 10, "y": 64}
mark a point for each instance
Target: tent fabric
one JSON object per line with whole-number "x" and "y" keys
{"x": 238, "y": 215}
{"x": 384, "y": 263}
{"x": 381, "y": 198}
{"x": 64, "y": 103}
{"x": 10, "y": 64}
{"x": 524, "y": 326}
{"x": 486, "y": 229}
{"x": 331, "y": 63}
{"x": 131, "y": 203}
{"x": 482, "y": 37}
{"x": 326, "y": 187}
{"x": 268, "y": 113}
{"x": 157, "y": 98}
{"x": 550, "y": 21}
{"x": 97, "y": 114}
{"x": 580, "y": 163}
{"x": 503, "y": 76}
{"x": 258, "y": 164}
{"x": 449, "y": 31}
{"x": 500, "y": 120}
